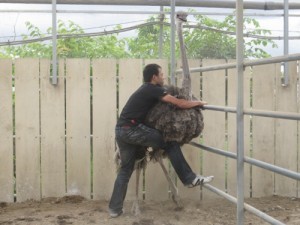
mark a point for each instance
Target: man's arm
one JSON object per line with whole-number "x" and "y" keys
{"x": 182, "y": 103}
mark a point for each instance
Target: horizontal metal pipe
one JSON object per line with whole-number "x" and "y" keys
{"x": 253, "y": 112}
{"x": 214, "y": 150}
{"x": 210, "y": 68}
{"x": 248, "y": 207}
{"x": 59, "y": 36}
{"x": 245, "y": 34}
{"x": 276, "y": 59}
{"x": 83, "y": 11}
{"x": 269, "y": 5}
{"x": 273, "y": 114}
{"x": 220, "y": 108}
{"x": 251, "y": 161}
{"x": 141, "y": 12}
{"x": 276, "y": 169}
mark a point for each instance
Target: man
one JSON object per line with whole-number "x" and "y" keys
{"x": 131, "y": 134}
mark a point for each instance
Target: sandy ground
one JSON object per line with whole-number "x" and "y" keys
{"x": 77, "y": 210}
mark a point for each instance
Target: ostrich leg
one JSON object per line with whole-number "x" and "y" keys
{"x": 135, "y": 207}
{"x": 174, "y": 190}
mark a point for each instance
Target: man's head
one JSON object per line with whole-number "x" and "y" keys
{"x": 152, "y": 73}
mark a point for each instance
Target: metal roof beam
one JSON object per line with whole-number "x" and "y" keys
{"x": 259, "y": 5}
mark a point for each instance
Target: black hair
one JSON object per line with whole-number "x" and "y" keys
{"x": 150, "y": 70}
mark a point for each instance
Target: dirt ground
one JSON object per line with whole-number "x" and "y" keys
{"x": 77, "y": 210}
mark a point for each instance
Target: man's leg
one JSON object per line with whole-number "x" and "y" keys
{"x": 129, "y": 140}
{"x": 180, "y": 165}
{"x": 127, "y": 152}
{"x": 143, "y": 136}
{"x": 182, "y": 168}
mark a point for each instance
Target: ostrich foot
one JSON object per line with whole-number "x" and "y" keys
{"x": 135, "y": 209}
{"x": 174, "y": 191}
{"x": 177, "y": 201}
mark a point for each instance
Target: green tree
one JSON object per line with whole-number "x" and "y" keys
{"x": 103, "y": 46}
{"x": 146, "y": 43}
{"x": 202, "y": 43}
{"x": 36, "y": 49}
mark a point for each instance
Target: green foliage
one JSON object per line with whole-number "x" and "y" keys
{"x": 37, "y": 49}
{"x": 200, "y": 43}
{"x": 103, "y": 46}
{"x": 221, "y": 45}
{"x": 146, "y": 43}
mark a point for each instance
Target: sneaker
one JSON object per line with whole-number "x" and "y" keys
{"x": 115, "y": 214}
{"x": 200, "y": 180}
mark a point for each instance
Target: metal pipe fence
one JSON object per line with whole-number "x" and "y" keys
{"x": 249, "y": 208}
{"x": 255, "y": 162}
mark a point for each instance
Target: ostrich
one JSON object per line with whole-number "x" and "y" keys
{"x": 175, "y": 124}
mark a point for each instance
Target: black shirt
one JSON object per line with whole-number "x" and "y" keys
{"x": 139, "y": 104}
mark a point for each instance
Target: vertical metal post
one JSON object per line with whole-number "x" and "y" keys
{"x": 240, "y": 111}
{"x": 161, "y": 29}
{"x": 54, "y": 37}
{"x": 173, "y": 31}
{"x": 286, "y": 41}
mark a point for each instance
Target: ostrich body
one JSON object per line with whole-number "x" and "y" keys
{"x": 175, "y": 124}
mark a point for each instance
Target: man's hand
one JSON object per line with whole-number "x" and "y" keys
{"x": 182, "y": 103}
{"x": 202, "y": 103}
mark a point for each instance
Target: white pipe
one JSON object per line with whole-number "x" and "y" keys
{"x": 141, "y": 12}
{"x": 276, "y": 59}
{"x": 54, "y": 45}
{"x": 173, "y": 63}
{"x": 262, "y": 5}
{"x": 286, "y": 41}
{"x": 246, "y": 206}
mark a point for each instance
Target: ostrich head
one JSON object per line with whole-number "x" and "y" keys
{"x": 181, "y": 16}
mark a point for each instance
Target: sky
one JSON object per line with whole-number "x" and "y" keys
{"x": 13, "y": 24}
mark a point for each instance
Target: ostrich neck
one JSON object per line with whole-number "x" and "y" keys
{"x": 186, "y": 82}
